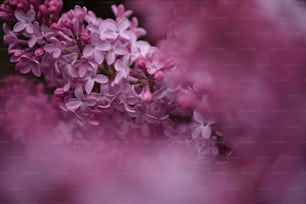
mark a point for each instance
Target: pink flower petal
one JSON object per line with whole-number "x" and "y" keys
{"x": 89, "y": 85}
{"x": 206, "y": 132}
{"x": 26, "y": 68}
{"x": 198, "y": 117}
{"x": 99, "y": 57}
{"x": 126, "y": 35}
{"x": 123, "y": 24}
{"x": 87, "y": 52}
{"x": 82, "y": 71}
{"x": 78, "y": 92}
{"x": 110, "y": 58}
{"x": 73, "y": 104}
{"x": 30, "y": 16}
{"x": 30, "y": 28}
{"x": 72, "y": 72}
{"x": 121, "y": 51}
{"x": 20, "y": 15}
{"x": 32, "y": 42}
{"x": 196, "y": 132}
{"x": 36, "y": 71}
{"x": 19, "y": 26}
{"x": 56, "y": 53}
{"x": 110, "y": 24}
{"x": 101, "y": 79}
{"x": 103, "y": 47}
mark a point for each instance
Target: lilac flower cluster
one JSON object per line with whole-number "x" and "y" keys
{"x": 102, "y": 72}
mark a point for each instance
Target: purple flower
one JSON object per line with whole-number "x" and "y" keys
{"x": 154, "y": 63}
{"x": 36, "y": 36}
{"x": 83, "y": 66}
{"x": 24, "y": 21}
{"x": 119, "y": 29}
{"x": 54, "y": 48}
{"x": 101, "y": 27}
{"x": 10, "y": 36}
{"x": 120, "y": 11}
{"x": 103, "y": 100}
{"x": 95, "y": 48}
{"x": 90, "y": 81}
{"x": 80, "y": 100}
{"x": 64, "y": 65}
{"x": 115, "y": 50}
{"x": 134, "y": 27}
{"x": 122, "y": 68}
{"x": 140, "y": 49}
{"x": 27, "y": 64}
{"x": 202, "y": 128}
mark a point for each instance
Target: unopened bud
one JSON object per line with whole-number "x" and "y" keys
{"x": 39, "y": 52}
{"x": 51, "y": 9}
{"x": 146, "y": 96}
{"x": 56, "y": 26}
{"x": 85, "y": 37}
{"x": 59, "y": 92}
{"x": 141, "y": 64}
{"x": 159, "y": 75}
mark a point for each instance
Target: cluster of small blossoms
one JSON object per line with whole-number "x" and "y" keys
{"x": 102, "y": 72}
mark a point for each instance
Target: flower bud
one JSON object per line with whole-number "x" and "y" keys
{"x": 39, "y": 52}
{"x": 43, "y": 10}
{"x": 52, "y": 9}
{"x": 146, "y": 96}
{"x": 59, "y": 92}
{"x": 85, "y": 37}
{"x": 141, "y": 64}
{"x": 159, "y": 75}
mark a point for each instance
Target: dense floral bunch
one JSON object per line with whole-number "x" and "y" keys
{"x": 102, "y": 72}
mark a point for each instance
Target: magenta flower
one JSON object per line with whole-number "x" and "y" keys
{"x": 54, "y": 48}
{"x": 83, "y": 66}
{"x": 154, "y": 63}
{"x": 95, "y": 48}
{"x": 116, "y": 49}
{"x": 119, "y": 29}
{"x": 135, "y": 29}
{"x": 24, "y": 21}
{"x": 120, "y": 11}
{"x": 64, "y": 65}
{"x": 27, "y": 64}
{"x": 103, "y": 100}
{"x": 140, "y": 49}
{"x": 36, "y": 36}
{"x": 90, "y": 81}
{"x": 80, "y": 100}
{"x": 10, "y": 36}
{"x": 122, "y": 68}
{"x": 202, "y": 128}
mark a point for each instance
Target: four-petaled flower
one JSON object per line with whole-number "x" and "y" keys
{"x": 36, "y": 36}
{"x": 119, "y": 28}
{"x": 201, "y": 128}
{"x": 27, "y": 64}
{"x": 120, "y": 11}
{"x": 24, "y": 21}
{"x": 80, "y": 100}
{"x": 55, "y": 47}
{"x": 90, "y": 81}
{"x": 154, "y": 62}
{"x": 83, "y": 66}
{"x": 95, "y": 48}
{"x": 115, "y": 50}
{"x": 122, "y": 68}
